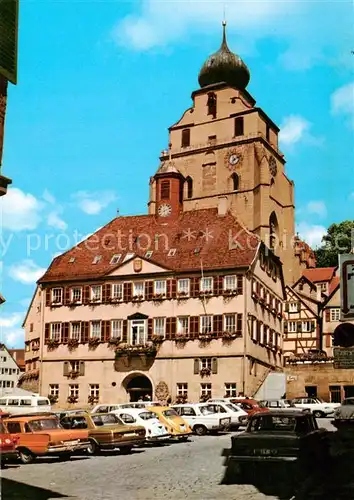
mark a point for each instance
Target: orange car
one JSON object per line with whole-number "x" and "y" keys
{"x": 39, "y": 435}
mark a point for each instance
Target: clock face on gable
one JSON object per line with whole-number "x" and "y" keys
{"x": 233, "y": 159}
{"x": 164, "y": 210}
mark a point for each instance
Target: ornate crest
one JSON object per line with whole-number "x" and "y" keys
{"x": 137, "y": 265}
{"x": 161, "y": 391}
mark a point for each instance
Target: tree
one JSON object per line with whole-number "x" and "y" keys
{"x": 339, "y": 239}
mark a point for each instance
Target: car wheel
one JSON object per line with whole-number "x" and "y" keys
{"x": 125, "y": 450}
{"x": 200, "y": 430}
{"x": 26, "y": 456}
{"x": 93, "y": 447}
{"x": 318, "y": 414}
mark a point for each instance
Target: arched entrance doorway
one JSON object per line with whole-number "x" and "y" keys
{"x": 138, "y": 387}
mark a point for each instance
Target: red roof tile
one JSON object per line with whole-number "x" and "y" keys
{"x": 318, "y": 274}
{"x": 186, "y": 234}
{"x": 333, "y": 284}
{"x": 19, "y": 356}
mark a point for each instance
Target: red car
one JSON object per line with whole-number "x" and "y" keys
{"x": 250, "y": 406}
{"x": 7, "y": 443}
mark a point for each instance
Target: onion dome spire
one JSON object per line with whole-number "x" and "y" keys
{"x": 224, "y": 67}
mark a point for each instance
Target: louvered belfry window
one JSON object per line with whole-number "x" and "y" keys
{"x": 165, "y": 190}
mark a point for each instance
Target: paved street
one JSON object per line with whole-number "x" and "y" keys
{"x": 190, "y": 470}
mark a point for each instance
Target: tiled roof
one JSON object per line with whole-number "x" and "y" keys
{"x": 200, "y": 235}
{"x": 19, "y": 356}
{"x": 319, "y": 274}
{"x": 333, "y": 284}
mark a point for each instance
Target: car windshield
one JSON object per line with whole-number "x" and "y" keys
{"x": 170, "y": 413}
{"x": 43, "y": 402}
{"x": 101, "y": 420}
{"x": 232, "y": 407}
{"x": 147, "y": 415}
{"x": 44, "y": 424}
{"x": 270, "y": 422}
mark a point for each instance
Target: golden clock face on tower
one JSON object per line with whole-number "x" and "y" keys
{"x": 164, "y": 210}
{"x": 233, "y": 159}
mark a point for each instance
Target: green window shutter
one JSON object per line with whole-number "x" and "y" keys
{"x": 8, "y": 39}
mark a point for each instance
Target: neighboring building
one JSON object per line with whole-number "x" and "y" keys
{"x": 309, "y": 361}
{"x": 19, "y": 356}
{"x": 9, "y": 371}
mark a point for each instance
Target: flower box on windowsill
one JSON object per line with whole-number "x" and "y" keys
{"x": 73, "y": 343}
{"x": 114, "y": 341}
{"x": 204, "y": 398}
{"x": 182, "y": 337}
{"x": 206, "y": 293}
{"x": 115, "y": 300}
{"x": 205, "y": 337}
{"x": 95, "y": 300}
{"x": 159, "y": 296}
{"x": 92, "y": 400}
{"x": 181, "y": 399}
{"x": 53, "y": 343}
{"x": 52, "y": 399}
{"x": 72, "y": 399}
{"x": 94, "y": 341}
{"x": 74, "y": 374}
{"x": 137, "y": 298}
{"x": 229, "y": 292}
{"x": 157, "y": 339}
{"x": 229, "y": 335}
{"x": 182, "y": 295}
{"x": 205, "y": 372}
{"x": 75, "y": 302}
{"x": 132, "y": 350}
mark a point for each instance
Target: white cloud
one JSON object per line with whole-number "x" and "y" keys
{"x": 293, "y": 129}
{"x": 54, "y": 220}
{"x": 342, "y": 102}
{"x": 48, "y": 197}
{"x": 312, "y": 234}
{"x": 14, "y": 338}
{"x": 94, "y": 203}
{"x": 317, "y": 207}
{"x": 20, "y": 210}
{"x": 26, "y": 272}
{"x": 11, "y": 319}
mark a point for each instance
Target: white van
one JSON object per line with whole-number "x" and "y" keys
{"x": 24, "y": 404}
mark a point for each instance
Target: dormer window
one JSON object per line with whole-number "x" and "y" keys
{"x": 115, "y": 258}
{"x": 165, "y": 190}
{"x": 71, "y": 260}
{"x": 148, "y": 254}
{"x": 97, "y": 259}
{"x": 171, "y": 252}
{"x": 239, "y": 126}
{"x": 186, "y": 138}
{"x": 128, "y": 256}
{"x": 212, "y": 104}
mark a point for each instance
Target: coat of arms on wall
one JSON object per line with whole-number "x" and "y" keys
{"x": 138, "y": 265}
{"x": 161, "y": 391}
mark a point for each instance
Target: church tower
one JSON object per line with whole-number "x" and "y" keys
{"x": 224, "y": 146}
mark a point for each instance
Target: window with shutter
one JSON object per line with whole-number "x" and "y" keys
{"x": 47, "y": 297}
{"x": 67, "y": 298}
{"x": 125, "y": 331}
{"x": 128, "y": 288}
{"x": 65, "y": 330}
{"x": 214, "y": 365}
{"x": 46, "y": 333}
{"x": 239, "y": 284}
{"x": 196, "y": 366}
{"x": 66, "y": 368}
{"x": 82, "y": 368}
{"x": 239, "y": 324}
{"x": 328, "y": 315}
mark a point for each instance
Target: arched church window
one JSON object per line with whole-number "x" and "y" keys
{"x": 212, "y": 104}
{"x": 273, "y": 230}
{"x": 189, "y": 182}
{"x": 186, "y": 138}
{"x": 235, "y": 181}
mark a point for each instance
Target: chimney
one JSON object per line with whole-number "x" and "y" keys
{"x": 222, "y": 206}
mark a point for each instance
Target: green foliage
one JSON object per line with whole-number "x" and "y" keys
{"x": 338, "y": 240}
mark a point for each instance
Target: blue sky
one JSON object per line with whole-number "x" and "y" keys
{"x": 100, "y": 82}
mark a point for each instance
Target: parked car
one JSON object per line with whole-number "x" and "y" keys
{"x": 175, "y": 425}
{"x": 106, "y": 431}
{"x": 39, "y": 435}
{"x": 64, "y": 413}
{"x": 344, "y": 414}
{"x": 155, "y": 430}
{"x": 229, "y": 410}
{"x": 200, "y": 419}
{"x": 277, "y": 437}
{"x": 318, "y": 407}
{"x": 16, "y": 405}
{"x": 279, "y": 405}
{"x": 250, "y": 406}
{"x": 107, "y": 408}
{"x": 7, "y": 443}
